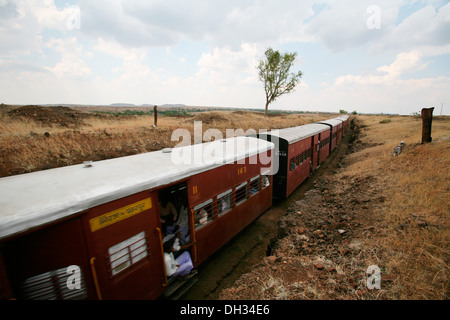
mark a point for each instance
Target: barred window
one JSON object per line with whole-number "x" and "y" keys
{"x": 224, "y": 202}
{"x": 124, "y": 254}
{"x": 265, "y": 181}
{"x": 203, "y": 214}
{"x": 62, "y": 284}
{"x": 291, "y": 164}
{"x": 255, "y": 185}
{"x": 241, "y": 193}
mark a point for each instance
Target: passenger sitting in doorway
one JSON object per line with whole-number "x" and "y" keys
{"x": 180, "y": 266}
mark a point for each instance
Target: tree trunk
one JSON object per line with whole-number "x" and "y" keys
{"x": 267, "y": 107}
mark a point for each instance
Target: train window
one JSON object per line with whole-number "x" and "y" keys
{"x": 128, "y": 252}
{"x": 291, "y": 164}
{"x": 203, "y": 214}
{"x": 241, "y": 193}
{"x": 255, "y": 185}
{"x": 265, "y": 181}
{"x": 61, "y": 284}
{"x": 224, "y": 201}
{"x": 297, "y": 160}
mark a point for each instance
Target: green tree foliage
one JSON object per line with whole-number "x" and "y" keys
{"x": 274, "y": 72}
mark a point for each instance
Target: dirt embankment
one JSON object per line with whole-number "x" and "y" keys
{"x": 54, "y": 116}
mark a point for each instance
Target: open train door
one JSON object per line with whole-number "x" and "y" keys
{"x": 314, "y": 152}
{"x": 125, "y": 248}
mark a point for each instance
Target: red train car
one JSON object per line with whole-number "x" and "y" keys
{"x": 97, "y": 231}
{"x": 336, "y": 131}
{"x": 299, "y": 151}
{"x": 345, "y": 122}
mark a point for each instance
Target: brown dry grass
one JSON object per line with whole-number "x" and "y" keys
{"x": 413, "y": 244}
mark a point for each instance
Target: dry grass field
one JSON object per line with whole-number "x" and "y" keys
{"x": 36, "y": 138}
{"x": 413, "y": 245}
{"x": 394, "y": 210}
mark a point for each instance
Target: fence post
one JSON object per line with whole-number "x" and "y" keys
{"x": 155, "y": 114}
{"x": 427, "y": 117}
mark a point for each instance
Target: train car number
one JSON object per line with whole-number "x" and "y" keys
{"x": 242, "y": 170}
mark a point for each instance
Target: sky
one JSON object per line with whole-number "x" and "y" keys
{"x": 369, "y": 56}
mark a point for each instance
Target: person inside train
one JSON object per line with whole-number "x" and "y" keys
{"x": 168, "y": 213}
{"x": 173, "y": 220}
{"x": 183, "y": 225}
{"x": 180, "y": 266}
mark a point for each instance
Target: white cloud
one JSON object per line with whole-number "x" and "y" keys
{"x": 226, "y": 60}
{"x": 344, "y": 25}
{"x": 133, "y": 68}
{"x": 406, "y": 62}
{"x": 23, "y": 22}
{"x": 389, "y": 90}
{"x": 47, "y": 15}
{"x": 231, "y": 23}
{"x": 425, "y": 27}
{"x": 71, "y": 63}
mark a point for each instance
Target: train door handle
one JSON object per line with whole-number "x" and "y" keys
{"x": 158, "y": 230}
{"x": 94, "y": 276}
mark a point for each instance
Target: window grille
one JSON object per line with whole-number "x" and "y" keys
{"x": 255, "y": 185}
{"x": 225, "y": 202}
{"x": 126, "y": 253}
{"x": 203, "y": 214}
{"x": 53, "y": 285}
{"x": 241, "y": 193}
{"x": 266, "y": 179}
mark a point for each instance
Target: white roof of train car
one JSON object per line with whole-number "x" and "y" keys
{"x": 334, "y": 122}
{"x": 343, "y": 117}
{"x": 295, "y": 134}
{"x": 34, "y": 199}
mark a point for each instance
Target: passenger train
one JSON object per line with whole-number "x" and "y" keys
{"x": 97, "y": 230}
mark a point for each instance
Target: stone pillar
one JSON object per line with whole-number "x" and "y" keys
{"x": 427, "y": 117}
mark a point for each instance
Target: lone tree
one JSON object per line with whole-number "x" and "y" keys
{"x": 274, "y": 73}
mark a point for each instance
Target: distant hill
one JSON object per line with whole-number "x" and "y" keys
{"x": 179, "y": 105}
{"x": 167, "y": 105}
{"x": 122, "y": 105}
